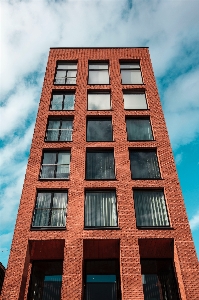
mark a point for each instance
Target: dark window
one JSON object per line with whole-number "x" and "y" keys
{"x": 100, "y": 209}
{"x": 55, "y": 165}
{"x": 144, "y": 164}
{"x": 139, "y": 129}
{"x": 99, "y": 101}
{"x": 131, "y": 73}
{"x": 45, "y": 280}
{"x": 62, "y": 101}
{"x": 59, "y": 130}
{"x": 159, "y": 280}
{"x": 102, "y": 280}
{"x": 100, "y": 165}
{"x": 134, "y": 100}
{"x": 50, "y": 210}
{"x": 66, "y": 73}
{"x": 99, "y": 129}
{"x": 98, "y": 73}
{"x": 150, "y": 208}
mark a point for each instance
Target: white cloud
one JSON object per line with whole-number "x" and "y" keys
{"x": 194, "y": 222}
{"x": 178, "y": 158}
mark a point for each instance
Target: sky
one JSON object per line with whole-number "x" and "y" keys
{"x": 30, "y": 27}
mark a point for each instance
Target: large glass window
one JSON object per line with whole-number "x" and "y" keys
{"x": 144, "y": 164}
{"x": 46, "y": 280}
{"x": 150, "y": 208}
{"x": 50, "y": 209}
{"x": 102, "y": 280}
{"x": 99, "y": 129}
{"x": 99, "y": 101}
{"x": 100, "y": 165}
{"x": 134, "y": 100}
{"x": 98, "y": 73}
{"x": 159, "y": 280}
{"x": 59, "y": 130}
{"x": 55, "y": 165}
{"x": 62, "y": 101}
{"x": 139, "y": 129}
{"x": 100, "y": 209}
{"x": 130, "y": 73}
{"x": 66, "y": 73}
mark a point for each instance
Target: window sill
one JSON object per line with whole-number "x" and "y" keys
{"x": 56, "y": 179}
{"x": 46, "y": 141}
{"x": 62, "y": 84}
{"x": 47, "y": 228}
{"x": 147, "y": 178}
{"x": 102, "y": 228}
{"x": 101, "y": 179}
{"x": 155, "y": 228}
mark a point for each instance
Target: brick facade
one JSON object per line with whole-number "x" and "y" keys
{"x": 174, "y": 242}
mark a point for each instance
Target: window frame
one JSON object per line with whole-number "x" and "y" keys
{"x": 99, "y": 92}
{"x": 128, "y": 117}
{"x": 62, "y": 93}
{"x": 65, "y": 62}
{"x": 61, "y": 119}
{"x": 55, "y": 171}
{"x": 98, "y": 70}
{"x": 135, "y": 92}
{"x": 99, "y": 118}
{"x": 116, "y": 207}
{"x": 48, "y": 227}
{"x": 122, "y": 62}
{"x": 100, "y": 150}
{"x": 158, "y": 227}
{"x": 145, "y": 150}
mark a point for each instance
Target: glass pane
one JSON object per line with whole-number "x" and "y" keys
{"x": 48, "y": 171}
{"x": 56, "y": 103}
{"x": 52, "y": 135}
{"x": 144, "y": 164}
{"x": 66, "y": 66}
{"x": 130, "y": 66}
{"x": 135, "y": 101}
{"x": 100, "y": 209}
{"x": 41, "y": 217}
{"x": 58, "y": 217}
{"x": 99, "y": 102}
{"x": 98, "y": 77}
{"x": 49, "y": 158}
{"x": 99, "y": 130}
{"x": 53, "y": 124}
{"x": 43, "y": 200}
{"x": 131, "y": 77}
{"x": 139, "y": 129}
{"x": 100, "y": 165}
{"x": 70, "y": 80}
{"x": 69, "y": 101}
{"x": 60, "y": 200}
{"x": 150, "y": 208}
{"x": 62, "y": 171}
{"x": 63, "y": 158}
{"x": 66, "y": 131}
{"x": 60, "y": 74}
{"x": 71, "y": 74}
{"x": 98, "y": 66}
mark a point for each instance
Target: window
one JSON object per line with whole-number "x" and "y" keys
{"x": 150, "y": 208}
{"x": 102, "y": 280}
{"x": 46, "y": 280}
{"x": 131, "y": 73}
{"x": 66, "y": 73}
{"x": 144, "y": 164}
{"x": 59, "y": 130}
{"x": 100, "y": 209}
{"x": 62, "y": 101}
{"x": 99, "y": 129}
{"x": 134, "y": 100}
{"x": 55, "y": 165}
{"x": 139, "y": 129}
{"x": 50, "y": 210}
{"x": 98, "y": 73}
{"x": 158, "y": 279}
{"x": 100, "y": 165}
{"x": 99, "y": 101}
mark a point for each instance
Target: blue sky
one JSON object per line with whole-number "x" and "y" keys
{"x": 30, "y": 27}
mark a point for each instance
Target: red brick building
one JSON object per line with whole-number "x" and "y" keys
{"x": 101, "y": 214}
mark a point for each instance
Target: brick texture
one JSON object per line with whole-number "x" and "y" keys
{"x": 68, "y": 244}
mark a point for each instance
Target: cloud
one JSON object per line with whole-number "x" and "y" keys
{"x": 194, "y": 222}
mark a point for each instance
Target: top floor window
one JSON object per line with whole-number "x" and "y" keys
{"x": 131, "y": 73}
{"x": 98, "y": 73}
{"x": 66, "y": 73}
